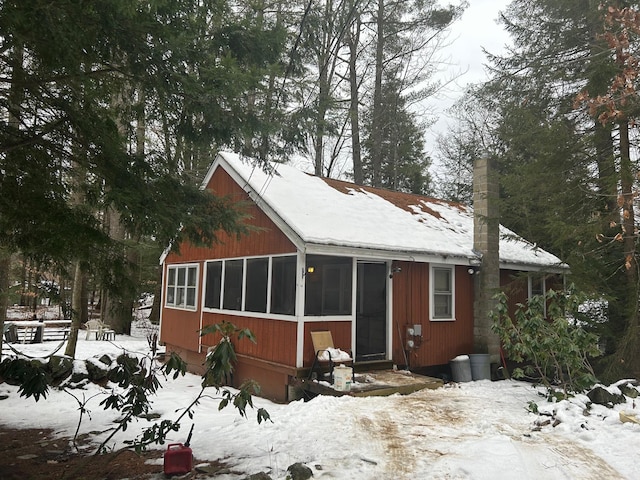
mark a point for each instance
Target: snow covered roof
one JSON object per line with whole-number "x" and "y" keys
{"x": 326, "y": 213}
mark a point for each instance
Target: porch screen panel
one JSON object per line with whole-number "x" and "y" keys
{"x": 257, "y": 277}
{"x": 214, "y": 284}
{"x": 233, "y": 270}
{"x": 283, "y": 285}
{"x": 328, "y": 285}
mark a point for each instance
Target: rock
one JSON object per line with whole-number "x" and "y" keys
{"x": 60, "y": 368}
{"x": 97, "y": 371}
{"x": 629, "y": 390}
{"x": 603, "y": 397}
{"x": 298, "y": 471}
{"x": 106, "y": 359}
{"x": 258, "y": 476}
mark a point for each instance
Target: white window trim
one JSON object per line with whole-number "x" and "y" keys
{"x": 530, "y": 284}
{"x": 176, "y": 266}
{"x": 452, "y": 269}
{"x": 543, "y": 280}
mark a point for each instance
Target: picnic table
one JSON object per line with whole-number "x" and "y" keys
{"x": 37, "y": 331}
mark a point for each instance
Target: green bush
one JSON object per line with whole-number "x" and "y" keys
{"x": 552, "y": 344}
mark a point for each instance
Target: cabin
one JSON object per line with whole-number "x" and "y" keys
{"x": 391, "y": 275}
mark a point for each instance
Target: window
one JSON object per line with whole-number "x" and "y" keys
{"x": 214, "y": 285}
{"x": 537, "y": 287}
{"x": 283, "y": 285}
{"x": 328, "y": 285}
{"x": 442, "y": 294}
{"x": 182, "y": 285}
{"x": 256, "y": 290}
{"x": 232, "y": 299}
{"x": 243, "y": 285}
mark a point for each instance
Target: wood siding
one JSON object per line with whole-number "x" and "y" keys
{"x": 180, "y": 327}
{"x": 265, "y": 239}
{"x": 442, "y": 340}
{"x": 276, "y": 340}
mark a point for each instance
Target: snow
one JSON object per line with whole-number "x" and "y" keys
{"x": 334, "y": 354}
{"x": 364, "y": 218}
{"x": 475, "y": 430}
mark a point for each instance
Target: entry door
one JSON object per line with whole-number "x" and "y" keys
{"x": 371, "y": 312}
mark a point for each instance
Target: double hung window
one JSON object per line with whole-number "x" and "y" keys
{"x": 442, "y": 293}
{"x": 182, "y": 286}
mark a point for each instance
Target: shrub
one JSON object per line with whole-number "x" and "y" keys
{"x": 553, "y": 344}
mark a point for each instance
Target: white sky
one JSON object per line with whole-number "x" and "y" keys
{"x": 476, "y": 30}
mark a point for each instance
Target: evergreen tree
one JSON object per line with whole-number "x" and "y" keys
{"x": 559, "y": 170}
{"x": 63, "y": 65}
{"x": 404, "y": 166}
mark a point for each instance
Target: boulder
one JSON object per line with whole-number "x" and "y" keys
{"x": 629, "y": 390}
{"x": 258, "y": 476}
{"x": 603, "y": 397}
{"x": 60, "y": 368}
{"x": 299, "y": 471}
{"x": 97, "y": 371}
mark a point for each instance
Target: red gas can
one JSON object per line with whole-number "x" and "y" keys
{"x": 178, "y": 459}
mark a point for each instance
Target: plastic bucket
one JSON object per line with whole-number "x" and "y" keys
{"x": 461, "y": 369}
{"x": 342, "y": 378}
{"x": 480, "y": 366}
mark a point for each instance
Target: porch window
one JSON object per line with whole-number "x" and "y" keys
{"x": 182, "y": 285}
{"x": 233, "y": 271}
{"x": 214, "y": 285}
{"x": 256, "y": 290}
{"x": 328, "y": 285}
{"x": 442, "y": 293}
{"x": 249, "y": 284}
{"x": 283, "y": 285}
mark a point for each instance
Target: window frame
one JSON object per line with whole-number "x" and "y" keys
{"x": 321, "y": 267}
{"x": 433, "y": 268}
{"x": 187, "y": 288}
{"x": 542, "y": 279}
{"x": 245, "y": 282}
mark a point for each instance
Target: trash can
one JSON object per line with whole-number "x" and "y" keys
{"x": 461, "y": 369}
{"x": 480, "y": 366}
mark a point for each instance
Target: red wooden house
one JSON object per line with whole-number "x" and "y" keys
{"x": 366, "y": 264}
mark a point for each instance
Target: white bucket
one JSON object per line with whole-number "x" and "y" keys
{"x": 342, "y": 378}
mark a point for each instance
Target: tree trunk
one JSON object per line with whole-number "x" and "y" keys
{"x": 76, "y": 309}
{"x": 626, "y": 361}
{"x": 354, "y": 117}
{"x": 5, "y": 263}
{"x": 377, "y": 115}
{"x": 154, "y": 315}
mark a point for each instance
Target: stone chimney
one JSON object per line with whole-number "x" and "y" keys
{"x": 486, "y": 235}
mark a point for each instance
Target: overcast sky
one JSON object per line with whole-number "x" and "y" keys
{"x": 476, "y": 30}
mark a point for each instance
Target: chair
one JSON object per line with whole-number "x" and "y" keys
{"x": 10, "y": 333}
{"x": 97, "y": 327}
{"x": 326, "y": 354}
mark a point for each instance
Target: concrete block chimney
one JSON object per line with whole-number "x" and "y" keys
{"x": 486, "y": 237}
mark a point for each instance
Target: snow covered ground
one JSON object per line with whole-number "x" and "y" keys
{"x": 476, "y": 430}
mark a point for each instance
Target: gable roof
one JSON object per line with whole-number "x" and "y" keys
{"x": 327, "y": 214}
